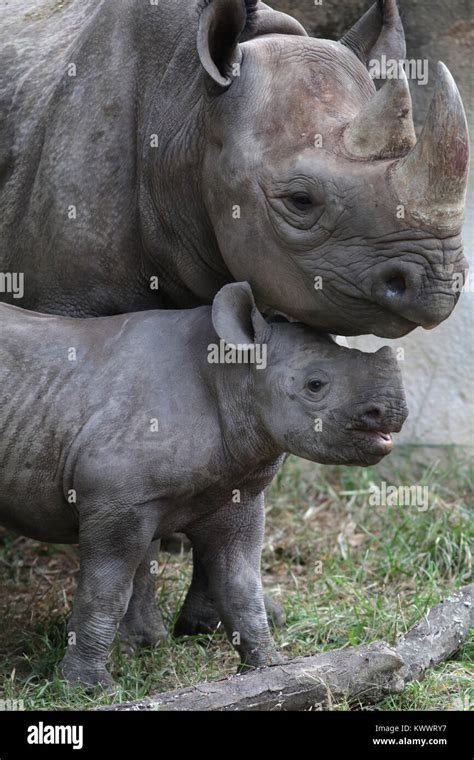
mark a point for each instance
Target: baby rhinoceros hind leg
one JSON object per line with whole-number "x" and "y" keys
{"x": 198, "y": 615}
{"x": 275, "y": 613}
{"x": 112, "y": 548}
{"x": 142, "y": 624}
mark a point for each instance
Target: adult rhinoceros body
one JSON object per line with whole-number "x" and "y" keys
{"x": 205, "y": 142}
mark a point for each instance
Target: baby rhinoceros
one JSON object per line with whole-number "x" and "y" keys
{"x": 118, "y": 430}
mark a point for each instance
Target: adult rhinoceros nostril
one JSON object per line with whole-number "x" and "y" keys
{"x": 396, "y": 286}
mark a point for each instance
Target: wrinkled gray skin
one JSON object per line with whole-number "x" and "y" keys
{"x": 85, "y": 426}
{"x": 165, "y": 70}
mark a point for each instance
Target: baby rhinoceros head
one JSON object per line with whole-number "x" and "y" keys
{"x": 312, "y": 397}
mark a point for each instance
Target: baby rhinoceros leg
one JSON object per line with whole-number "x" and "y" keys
{"x": 228, "y": 544}
{"x": 276, "y": 616}
{"x": 199, "y": 615}
{"x": 142, "y": 624}
{"x": 113, "y": 542}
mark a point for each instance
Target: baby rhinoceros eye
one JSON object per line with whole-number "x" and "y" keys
{"x": 302, "y": 201}
{"x": 315, "y": 386}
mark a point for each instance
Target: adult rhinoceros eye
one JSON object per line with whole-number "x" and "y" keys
{"x": 302, "y": 201}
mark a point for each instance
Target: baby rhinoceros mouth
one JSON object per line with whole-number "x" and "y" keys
{"x": 376, "y": 441}
{"x": 372, "y": 426}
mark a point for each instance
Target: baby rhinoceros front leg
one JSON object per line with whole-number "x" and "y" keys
{"x": 113, "y": 543}
{"x": 228, "y": 546}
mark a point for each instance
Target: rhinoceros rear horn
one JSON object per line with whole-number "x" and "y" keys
{"x": 220, "y": 25}
{"x": 431, "y": 180}
{"x": 379, "y": 32}
{"x": 384, "y": 128}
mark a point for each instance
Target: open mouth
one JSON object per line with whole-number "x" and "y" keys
{"x": 377, "y": 439}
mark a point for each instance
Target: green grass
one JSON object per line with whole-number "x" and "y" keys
{"x": 345, "y": 571}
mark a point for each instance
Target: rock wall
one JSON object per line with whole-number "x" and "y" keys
{"x": 438, "y": 366}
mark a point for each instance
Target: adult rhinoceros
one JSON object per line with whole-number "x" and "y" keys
{"x": 201, "y": 142}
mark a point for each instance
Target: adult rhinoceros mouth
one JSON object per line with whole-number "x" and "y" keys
{"x": 395, "y": 327}
{"x": 392, "y": 325}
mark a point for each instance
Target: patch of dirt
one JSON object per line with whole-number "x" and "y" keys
{"x": 461, "y": 29}
{"x": 36, "y": 581}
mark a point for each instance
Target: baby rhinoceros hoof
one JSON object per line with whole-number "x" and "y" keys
{"x": 75, "y": 671}
{"x": 275, "y": 615}
{"x": 258, "y": 659}
{"x": 136, "y": 634}
{"x": 204, "y": 620}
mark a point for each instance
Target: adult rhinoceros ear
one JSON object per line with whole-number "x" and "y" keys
{"x": 378, "y": 33}
{"x": 261, "y": 19}
{"x": 235, "y": 316}
{"x": 220, "y": 25}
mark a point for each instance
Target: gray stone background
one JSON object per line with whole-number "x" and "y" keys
{"x": 439, "y": 365}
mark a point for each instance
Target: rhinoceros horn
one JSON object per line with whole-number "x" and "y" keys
{"x": 384, "y": 128}
{"x": 431, "y": 180}
{"x": 379, "y": 32}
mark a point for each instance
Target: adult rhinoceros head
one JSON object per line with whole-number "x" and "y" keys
{"x": 319, "y": 193}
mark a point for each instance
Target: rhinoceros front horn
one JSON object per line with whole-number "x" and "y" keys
{"x": 384, "y": 128}
{"x": 431, "y": 180}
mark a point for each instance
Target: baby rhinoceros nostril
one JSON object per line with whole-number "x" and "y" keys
{"x": 396, "y": 286}
{"x": 371, "y": 416}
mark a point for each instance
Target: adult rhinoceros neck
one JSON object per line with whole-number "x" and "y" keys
{"x": 178, "y": 239}
{"x": 177, "y": 234}
{"x": 68, "y": 201}
{"x": 80, "y": 87}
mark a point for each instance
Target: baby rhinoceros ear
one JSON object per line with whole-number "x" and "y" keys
{"x": 235, "y": 316}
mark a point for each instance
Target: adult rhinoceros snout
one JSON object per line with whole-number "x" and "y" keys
{"x": 408, "y": 292}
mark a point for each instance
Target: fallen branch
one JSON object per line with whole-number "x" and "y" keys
{"x": 366, "y": 673}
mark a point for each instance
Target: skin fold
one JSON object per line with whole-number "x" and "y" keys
{"x": 117, "y": 431}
